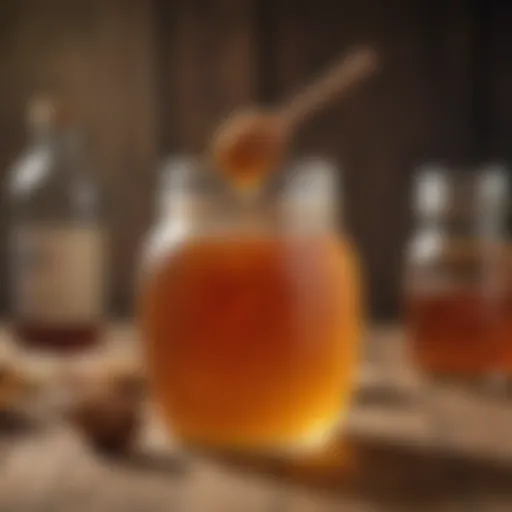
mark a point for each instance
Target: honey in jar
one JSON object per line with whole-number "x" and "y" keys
{"x": 251, "y": 318}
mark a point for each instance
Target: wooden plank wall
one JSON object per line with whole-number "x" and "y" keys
{"x": 102, "y": 56}
{"x": 152, "y": 77}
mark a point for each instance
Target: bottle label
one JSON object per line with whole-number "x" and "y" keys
{"x": 58, "y": 274}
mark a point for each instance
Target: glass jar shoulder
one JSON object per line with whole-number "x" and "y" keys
{"x": 169, "y": 243}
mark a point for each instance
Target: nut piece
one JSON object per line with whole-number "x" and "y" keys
{"x": 16, "y": 389}
{"x": 108, "y": 412}
{"x": 14, "y": 386}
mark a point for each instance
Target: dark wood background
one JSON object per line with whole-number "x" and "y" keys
{"x": 152, "y": 77}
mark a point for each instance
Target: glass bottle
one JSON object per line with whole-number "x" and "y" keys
{"x": 454, "y": 293}
{"x": 250, "y": 311}
{"x": 56, "y": 237}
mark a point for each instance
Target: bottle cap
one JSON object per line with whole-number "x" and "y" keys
{"x": 41, "y": 111}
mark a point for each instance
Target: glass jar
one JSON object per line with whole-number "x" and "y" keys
{"x": 455, "y": 274}
{"x": 250, "y": 311}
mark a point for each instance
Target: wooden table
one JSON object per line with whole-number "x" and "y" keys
{"x": 406, "y": 446}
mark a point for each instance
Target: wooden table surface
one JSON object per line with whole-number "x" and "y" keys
{"x": 406, "y": 446}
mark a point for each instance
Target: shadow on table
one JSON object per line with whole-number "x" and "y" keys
{"x": 384, "y": 471}
{"x": 14, "y": 424}
{"x": 171, "y": 465}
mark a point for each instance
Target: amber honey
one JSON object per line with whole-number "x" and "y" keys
{"x": 249, "y": 149}
{"x": 457, "y": 331}
{"x": 505, "y": 352}
{"x": 253, "y": 341}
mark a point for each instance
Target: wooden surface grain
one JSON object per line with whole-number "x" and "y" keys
{"x": 406, "y": 446}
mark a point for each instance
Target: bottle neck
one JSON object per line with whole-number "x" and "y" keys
{"x": 41, "y": 135}
{"x": 51, "y": 133}
{"x": 64, "y": 143}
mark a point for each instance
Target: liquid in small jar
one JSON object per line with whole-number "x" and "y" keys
{"x": 456, "y": 331}
{"x": 504, "y": 359}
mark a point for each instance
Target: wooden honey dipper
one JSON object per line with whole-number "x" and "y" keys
{"x": 251, "y": 143}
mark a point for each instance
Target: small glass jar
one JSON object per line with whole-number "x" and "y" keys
{"x": 250, "y": 311}
{"x": 454, "y": 290}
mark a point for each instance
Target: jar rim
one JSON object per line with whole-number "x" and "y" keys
{"x": 443, "y": 190}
